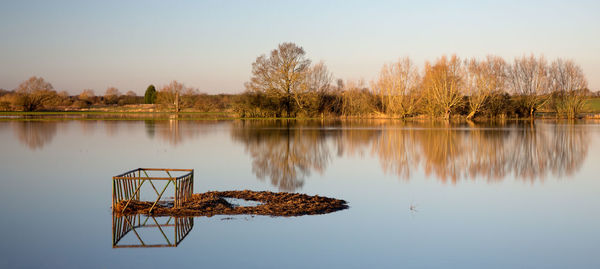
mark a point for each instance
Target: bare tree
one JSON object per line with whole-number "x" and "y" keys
{"x": 111, "y": 96}
{"x": 281, "y": 74}
{"x": 397, "y": 88}
{"x": 482, "y": 80}
{"x": 568, "y": 86}
{"x": 169, "y": 95}
{"x": 442, "y": 85}
{"x": 528, "y": 79}
{"x": 317, "y": 82}
{"x": 34, "y": 93}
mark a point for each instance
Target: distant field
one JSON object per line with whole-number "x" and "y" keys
{"x": 592, "y": 105}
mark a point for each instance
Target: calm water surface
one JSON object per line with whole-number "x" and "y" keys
{"x": 420, "y": 194}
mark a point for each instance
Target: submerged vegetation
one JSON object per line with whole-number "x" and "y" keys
{"x": 286, "y": 84}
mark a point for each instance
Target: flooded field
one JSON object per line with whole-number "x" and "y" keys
{"x": 420, "y": 194}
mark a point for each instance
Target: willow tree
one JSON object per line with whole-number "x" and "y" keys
{"x": 397, "y": 88}
{"x": 528, "y": 79}
{"x": 280, "y": 75}
{"x": 442, "y": 84}
{"x": 34, "y": 93}
{"x": 568, "y": 87}
{"x": 482, "y": 80}
{"x": 310, "y": 97}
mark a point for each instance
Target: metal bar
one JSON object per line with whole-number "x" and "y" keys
{"x": 152, "y": 178}
{"x": 166, "y": 169}
{"x": 159, "y": 196}
{"x": 120, "y": 175}
{"x": 155, "y": 190}
{"x": 136, "y": 191}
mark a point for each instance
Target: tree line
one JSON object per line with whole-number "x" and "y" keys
{"x": 285, "y": 83}
{"x": 36, "y": 94}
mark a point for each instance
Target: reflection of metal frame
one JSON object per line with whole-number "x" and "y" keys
{"x": 126, "y": 186}
{"x": 122, "y": 225}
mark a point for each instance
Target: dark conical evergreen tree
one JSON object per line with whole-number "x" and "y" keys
{"x": 150, "y": 95}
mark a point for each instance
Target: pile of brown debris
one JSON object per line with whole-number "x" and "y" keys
{"x": 214, "y": 203}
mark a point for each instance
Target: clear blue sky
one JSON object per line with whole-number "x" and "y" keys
{"x": 210, "y": 45}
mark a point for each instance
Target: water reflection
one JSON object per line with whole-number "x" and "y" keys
{"x": 138, "y": 231}
{"x": 283, "y": 151}
{"x": 287, "y": 152}
{"x": 175, "y": 131}
{"x": 35, "y": 134}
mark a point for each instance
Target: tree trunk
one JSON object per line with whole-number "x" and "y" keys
{"x": 471, "y": 114}
{"x": 532, "y": 112}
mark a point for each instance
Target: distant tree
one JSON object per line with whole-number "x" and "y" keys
{"x": 397, "y": 88}
{"x": 357, "y": 100}
{"x": 528, "y": 79}
{"x": 280, "y": 75}
{"x": 175, "y": 95}
{"x": 569, "y": 88}
{"x": 310, "y": 96}
{"x": 34, "y": 93}
{"x": 150, "y": 95}
{"x": 483, "y": 79}
{"x": 442, "y": 85}
{"x": 111, "y": 96}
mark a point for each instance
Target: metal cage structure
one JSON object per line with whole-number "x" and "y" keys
{"x": 126, "y": 186}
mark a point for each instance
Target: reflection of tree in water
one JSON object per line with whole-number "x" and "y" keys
{"x": 284, "y": 151}
{"x": 35, "y": 134}
{"x": 541, "y": 149}
{"x": 396, "y": 150}
{"x": 570, "y": 149}
{"x": 525, "y": 150}
{"x": 287, "y": 151}
{"x": 176, "y": 131}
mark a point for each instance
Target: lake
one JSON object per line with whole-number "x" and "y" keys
{"x": 420, "y": 194}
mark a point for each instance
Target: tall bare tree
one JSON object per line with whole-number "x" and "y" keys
{"x": 482, "y": 80}
{"x": 317, "y": 83}
{"x": 442, "y": 85}
{"x": 281, "y": 74}
{"x": 33, "y": 93}
{"x": 170, "y": 95}
{"x": 528, "y": 79}
{"x": 397, "y": 87}
{"x": 568, "y": 86}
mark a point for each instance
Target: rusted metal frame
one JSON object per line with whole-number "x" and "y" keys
{"x": 166, "y": 169}
{"x": 175, "y": 181}
{"x": 153, "y": 178}
{"x": 128, "y": 172}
